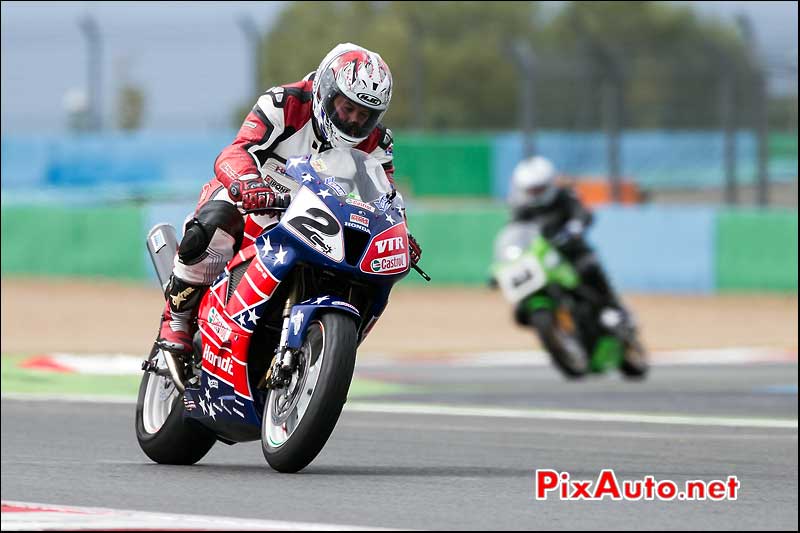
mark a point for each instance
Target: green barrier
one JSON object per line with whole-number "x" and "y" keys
{"x": 457, "y": 245}
{"x": 783, "y": 145}
{"x": 108, "y": 242}
{"x": 73, "y": 242}
{"x": 782, "y": 155}
{"x": 452, "y": 165}
{"x": 756, "y": 250}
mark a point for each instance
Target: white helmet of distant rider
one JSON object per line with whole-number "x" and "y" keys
{"x": 533, "y": 182}
{"x": 351, "y": 93}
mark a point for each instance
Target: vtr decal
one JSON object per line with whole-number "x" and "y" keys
{"x": 392, "y": 244}
{"x": 388, "y": 252}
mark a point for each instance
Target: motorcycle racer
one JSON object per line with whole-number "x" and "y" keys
{"x": 535, "y": 196}
{"x": 340, "y": 104}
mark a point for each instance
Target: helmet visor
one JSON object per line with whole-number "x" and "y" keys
{"x": 353, "y": 119}
{"x": 537, "y": 190}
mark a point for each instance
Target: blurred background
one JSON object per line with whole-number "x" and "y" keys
{"x": 676, "y": 121}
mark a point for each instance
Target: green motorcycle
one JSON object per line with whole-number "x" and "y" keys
{"x": 580, "y": 335}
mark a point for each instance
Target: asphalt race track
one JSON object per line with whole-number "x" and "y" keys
{"x": 396, "y": 462}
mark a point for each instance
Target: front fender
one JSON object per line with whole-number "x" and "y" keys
{"x": 304, "y": 312}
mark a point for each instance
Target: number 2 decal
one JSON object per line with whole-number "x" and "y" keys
{"x": 310, "y": 220}
{"x": 309, "y": 227}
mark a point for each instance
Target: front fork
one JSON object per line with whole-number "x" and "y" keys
{"x": 283, "y": 364}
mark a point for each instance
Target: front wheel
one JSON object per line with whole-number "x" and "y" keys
{"x": 299, "y": 419}
{"x": 562, "y": 343}
{"x": 162, "y": 433}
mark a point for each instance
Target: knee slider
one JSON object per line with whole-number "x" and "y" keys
{"x": 213, "y": 215}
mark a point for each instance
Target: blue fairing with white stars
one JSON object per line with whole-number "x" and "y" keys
{"x": 312, "y": 232}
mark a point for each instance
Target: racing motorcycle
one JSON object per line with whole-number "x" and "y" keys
{"x": 580, "y": 335}
{"x": 279, "y": 328}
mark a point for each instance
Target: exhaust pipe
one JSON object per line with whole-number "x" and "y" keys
{"x": 162, "y": 243}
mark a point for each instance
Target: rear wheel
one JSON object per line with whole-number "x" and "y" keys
{"x": 299, "y": 419}
{"x": 560, "y": 339}
{"x": 635, "y": 364}
{"x": 163, "y": 434}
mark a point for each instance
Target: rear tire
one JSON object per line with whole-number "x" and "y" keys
{"x": 296, "y": 425}
{"x": 565, "y": 349}
{"x": 163, "y": 434}
{"x": 635, "y": 364}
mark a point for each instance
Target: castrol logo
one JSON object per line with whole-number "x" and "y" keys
{"x": 388, "y": 252}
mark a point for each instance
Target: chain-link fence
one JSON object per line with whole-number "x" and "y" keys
{"x": 679, "y": 132}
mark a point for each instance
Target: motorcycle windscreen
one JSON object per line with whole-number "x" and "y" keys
{"x": 352, "y": 174}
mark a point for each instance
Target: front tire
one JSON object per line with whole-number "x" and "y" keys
{"x": 564, "y": 347}
{"x": 163, "y": 434}
{"x": 299, "y": 419}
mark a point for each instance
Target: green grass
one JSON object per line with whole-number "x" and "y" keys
{"x": 15, "y": 379}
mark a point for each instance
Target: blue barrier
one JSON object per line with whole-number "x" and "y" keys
{"x": 657, "y": 249}
{"x": 117, "y": 165}
{"x": 24, "y": 161}
{"x": 653, "y": 159}
{"x": 572, "y": 153}
{"x": 155, "y": 165}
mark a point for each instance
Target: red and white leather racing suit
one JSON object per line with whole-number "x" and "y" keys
{"x": 279, "y": 126}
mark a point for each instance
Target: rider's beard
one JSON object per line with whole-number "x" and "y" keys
{"x": 350, "y": 128}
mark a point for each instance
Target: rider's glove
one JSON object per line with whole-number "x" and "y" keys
{"x": 414, "y": 249}
{"x": 257, "y": 196}
{"x": 571, "y": 231}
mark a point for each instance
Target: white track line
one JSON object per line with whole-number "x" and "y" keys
{"x": 26, "y": 516}
{"x": 404, "y": 408}
{"x": 558, "y": 414}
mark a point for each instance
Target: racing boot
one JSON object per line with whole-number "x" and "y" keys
{"x": 618, "y": 320}
{"x": 613, "y": 314}
{"x": 178, "y": 323}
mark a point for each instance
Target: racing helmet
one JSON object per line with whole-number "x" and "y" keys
{"x": 351, "y": 92}
{"x": 533, "y": 182}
